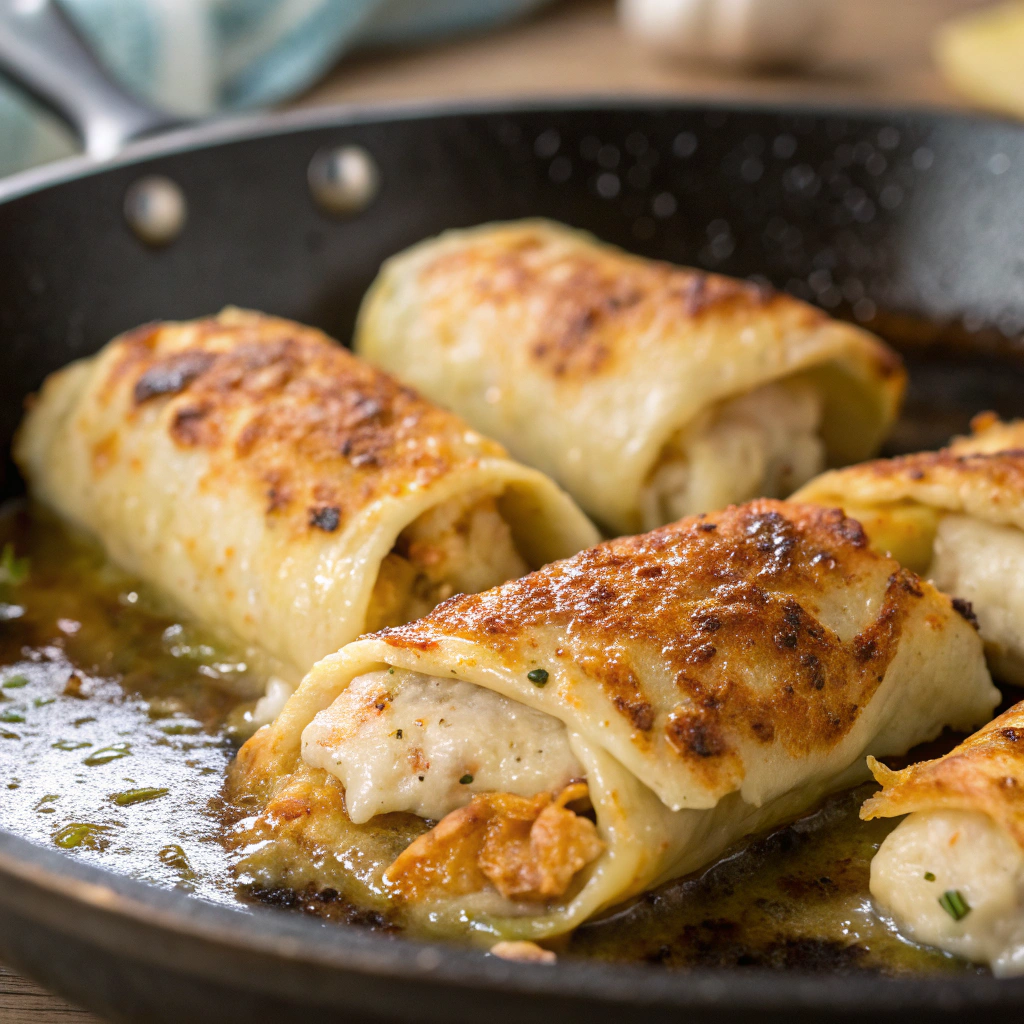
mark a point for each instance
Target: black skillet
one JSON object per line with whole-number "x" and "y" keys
{"x": 910, "y": 222}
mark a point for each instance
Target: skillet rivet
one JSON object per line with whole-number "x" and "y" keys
{"x": 343, "y": 180}
{"x": 155, "y": 209}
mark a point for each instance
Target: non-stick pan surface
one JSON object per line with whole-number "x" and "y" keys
{"x": 912, "y": 223}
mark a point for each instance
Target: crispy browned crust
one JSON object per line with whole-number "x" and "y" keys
{"x": 294, "y": 837}
{"x": 949, "y": 467}
{"x": 988, "y": 465}
{"x": 588, "y": 304}
{"x": 985, "y": 773}
{"x": 283, "y": 409}
{"x": 990, "y": 434}
{"x": 708, "y": 598}
{"x": 528, "y": 848}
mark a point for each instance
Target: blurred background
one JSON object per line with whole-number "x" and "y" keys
{"x": 201, "y": 57}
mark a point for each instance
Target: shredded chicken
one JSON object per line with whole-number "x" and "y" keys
{"x": 462, "y": 545}
{"x": 933, "y": 854}
{"x": 529, "y": 849}
{"x": 761, "y": 444}
{"x": 984, "y": 564}
{"x": 404, "y": 741}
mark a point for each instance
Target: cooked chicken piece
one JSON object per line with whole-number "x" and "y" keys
{"x": 586, "y": 361}
{"x": 699, "y": 683}
{"x": 952, "y": 874}
{"x": 766, "y": 443}
{"x": 404, "y": 741}
{"x": 955, "y": 879}
{"x": 529, "y": 849}
{"x": 461, "y": 546}
{"x": 984, "y": 564}
{"x": 957, "y": 517}
{"x": 280, "y": 490}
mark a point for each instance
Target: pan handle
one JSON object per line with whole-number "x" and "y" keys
{"x": 44, "y": 54}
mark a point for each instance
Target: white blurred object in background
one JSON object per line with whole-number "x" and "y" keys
{"x": 752, "y": 34}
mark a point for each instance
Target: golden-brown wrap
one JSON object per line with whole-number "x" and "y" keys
{"x": 952, "y": 874}
{"x": 956, "y": 516}
{"x": 649, "y": 391}
{"x": 277, "y": 487}
{"x": 694, "y": 684}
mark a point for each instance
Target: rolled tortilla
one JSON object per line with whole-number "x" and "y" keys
{"x": 709, "y": 679}
{"x": 957, "y": 517}
{"x": 952, "y": 874}
{"x": 649, "y": 391}
{"x": 280, "y": 489}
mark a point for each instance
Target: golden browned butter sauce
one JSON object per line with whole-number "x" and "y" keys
{"x": 115, "y": 735}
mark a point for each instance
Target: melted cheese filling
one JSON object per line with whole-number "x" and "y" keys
{"x": 462, "y": 545}
{"x": 403, "y": 741}
{"x": 966, "y": 852}
{"x": 762, "y": 444}
{"x": 984, "y": 563}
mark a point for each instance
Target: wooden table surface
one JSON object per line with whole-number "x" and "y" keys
{"x": 878, "y": 53}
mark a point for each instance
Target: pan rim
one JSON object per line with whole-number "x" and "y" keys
{"x": 290, "y": 938}
{"x": 247, "y": 127}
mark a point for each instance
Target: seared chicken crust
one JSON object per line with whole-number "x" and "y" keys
{"x": 279, "y": 488}
{"x": 603, "y": 368}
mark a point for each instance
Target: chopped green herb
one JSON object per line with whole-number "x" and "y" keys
{"x": 70, "y": 745}
{"x": 41, "y": 702}
{"x": 15, "y": 682}
{"x": 466, "y": 780}
{"x": 391, "y": 671}
{"x": 8, "y": 734}
{"x": 137, "y": 796}
{"x": 174, "y": 856}
{"x": 538, "y": 676}
{"x": 13, "y": 570}
{"x": 81, "y": 833}
{"x": 43, "y": 801}
{"x": 107, "y": 754}
{"x": 929, "y": 877}
{"x": 180, "y": 727}
{"x": 11, "y": 716}
{"x": 954, "y": 904}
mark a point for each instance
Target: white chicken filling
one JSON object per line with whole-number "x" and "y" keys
{"x": 403, "y": 741}
{"x": 955, "y": 879}
{"x": 462, "y": 545}
{"x": 984, "y": 563}
{"x": 762, "y": 444}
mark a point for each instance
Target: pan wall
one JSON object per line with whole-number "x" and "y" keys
{"x": 913, "y": 224}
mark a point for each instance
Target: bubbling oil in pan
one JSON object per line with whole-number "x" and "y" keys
{"x": 117, "y": 726}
